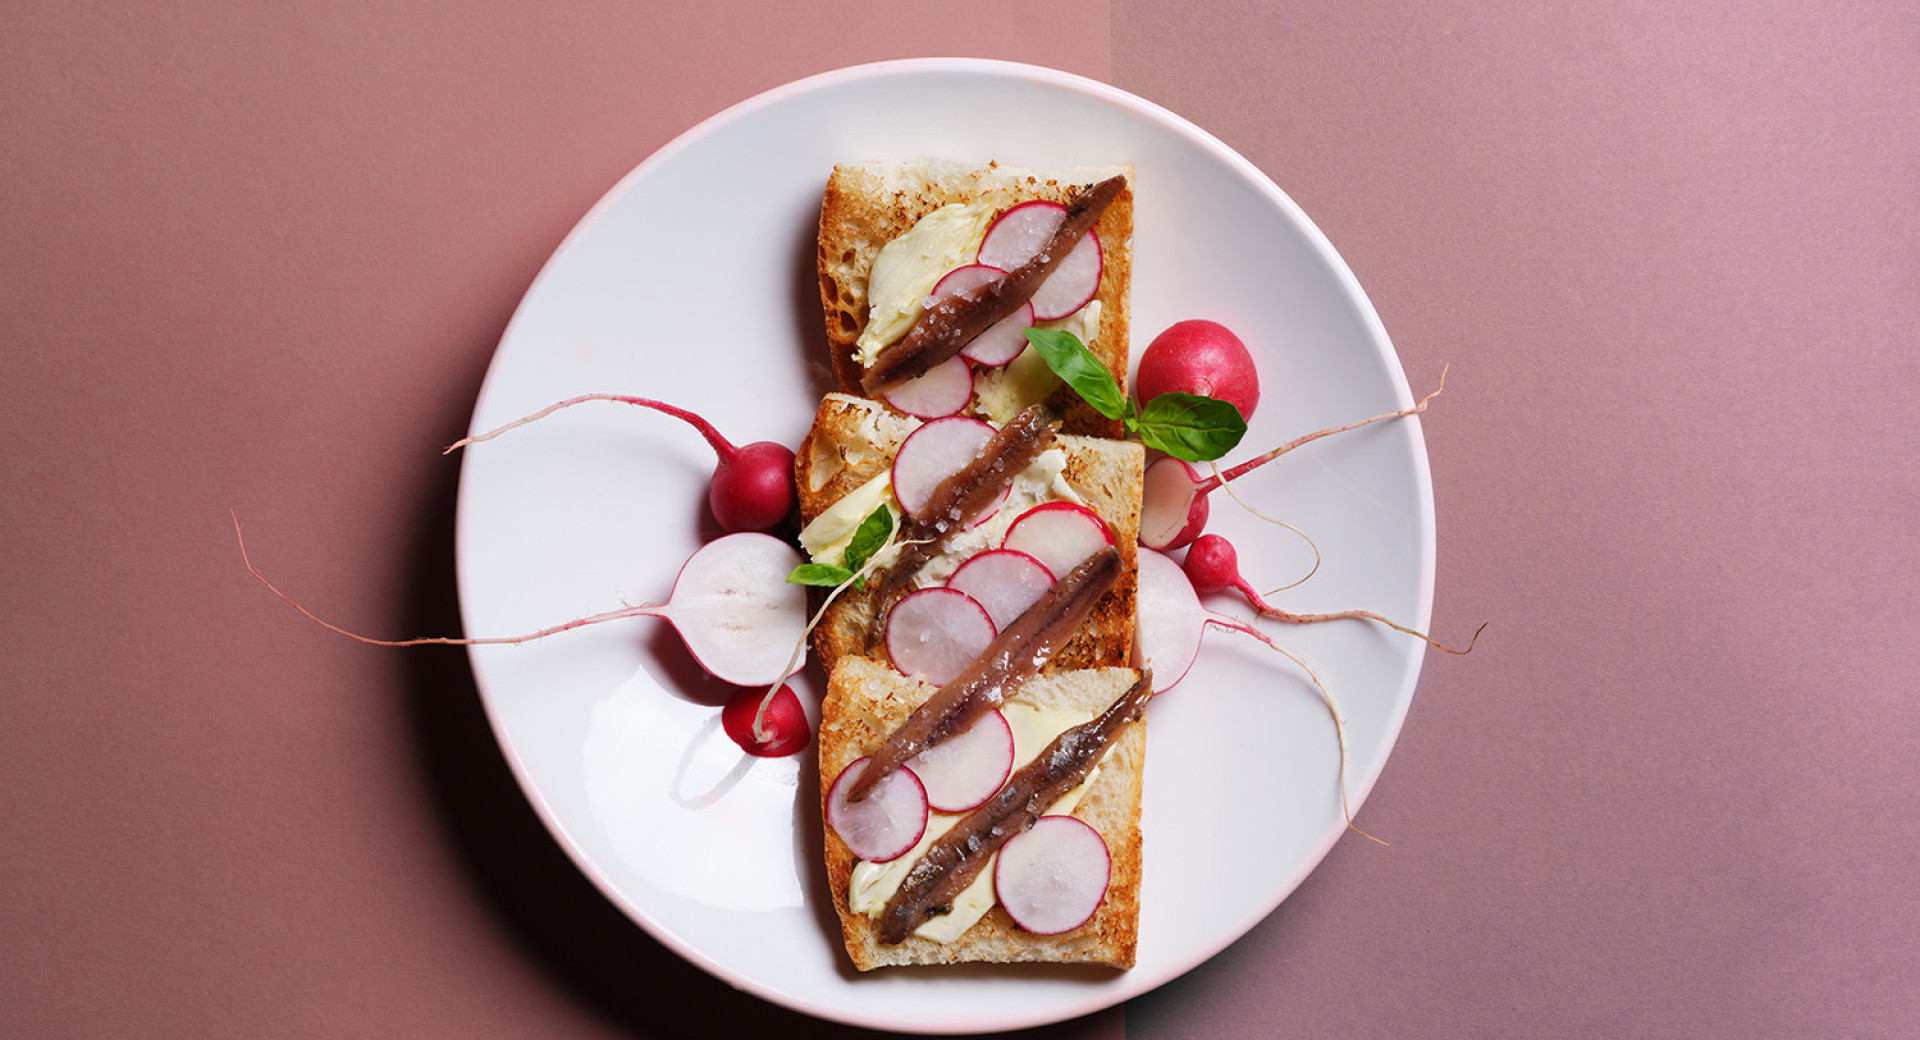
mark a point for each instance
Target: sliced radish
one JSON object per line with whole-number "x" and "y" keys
{"x": 887, "y": 822}
{"x": 1061, "y": 535}
{"x": 1168, "y": 620}
{"x": 936, "y": 633}
{"x": 1005, "y": 339}
{"x": 943, "y": 390}
{"x": 1053, "y": 877}
{"x": 1004, "y": 581}
{"x": 1019, "y": 233}
{"x": 933, "y": 453}
{"x": 737, "y": 612}
{"x": 1173, "y": 512}
{"x": 963, "y": 771}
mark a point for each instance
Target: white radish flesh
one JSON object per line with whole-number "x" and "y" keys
{"x": 1005, "y": 339}
{"x": 887, "y": 822}
{"x": 941, "y": 391}
{"x": 1053, "y": 877}
{"x": 1173, "y": 512}
{"x": 1168, "y": 620}
{"x": 736, "y": 611}
{"x": 1017, "y": 235}
{"x": 933, "y": 453}
{"x": 1061, "y": 535}
{"x": 936, "y": 633}
{"x": 1004, "y": 581}
{"x": 964, "y": 771}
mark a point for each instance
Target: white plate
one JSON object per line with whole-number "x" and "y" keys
{"x": 692, "y": 281}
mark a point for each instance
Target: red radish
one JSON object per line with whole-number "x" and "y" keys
{"x": 1169, "y": 623}
{"x": 1171, "y": 515}
{"x": 1022, "y": 231}
{"x": 1212, "y": 565}
{"x": 731, "y": 604}
{"x": 1005, "y": 339}
{"x": 1051, "y": 878}
{"x": 936, "y": 633}
{"x": 1004, "y": 581}
{"x": 752, "y": 487}
{"x": 941, "y": 391}
{"x": 887, "y": 822}
{"x": 1199, "y": 357}
{"x": 964, "y": 771}
{"x": 784, "y": 723}
{"x": 1061, "y": 535}
{"x": 933, "y": 453}
{"x": 1171, "y": 492}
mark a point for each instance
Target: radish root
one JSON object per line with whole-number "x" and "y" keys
{"x": 1234, "y": 493}
{"x": 1221, "y": 478}
{"x": 721, "y": 446}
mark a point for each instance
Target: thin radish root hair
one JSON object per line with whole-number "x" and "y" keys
{"x": 1234, "y": 493}
{"x": 721, "y": 445}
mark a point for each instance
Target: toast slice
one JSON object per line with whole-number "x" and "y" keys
{"x": 867, "y": 205}
{"x": 866, "y": 700}
{"x": 853, "y": 440}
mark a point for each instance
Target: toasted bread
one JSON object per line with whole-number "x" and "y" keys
{"x": 853, "y": 439}
{"x": 866, "y": 700}
{"x": 867, "y": 205}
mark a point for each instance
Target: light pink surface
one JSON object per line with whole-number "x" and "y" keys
{"x": 257, "y": 261}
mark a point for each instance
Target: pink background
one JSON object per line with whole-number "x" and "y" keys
{"x": 258, "y": 261}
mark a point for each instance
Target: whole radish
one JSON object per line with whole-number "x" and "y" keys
{"x": 752, "y": 487}
{"x": 782, "y": 728}
{"x": 1212, "y": 566}
{"x": 1201, "y": 357}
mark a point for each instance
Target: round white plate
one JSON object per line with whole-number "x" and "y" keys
{"x": 692, "y": 281}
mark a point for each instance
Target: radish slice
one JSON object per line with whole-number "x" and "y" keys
{"x": 887, "y": 822}
{"x": 936, "y": 633}
{"x": 943, "y": 390}
{"x": 1023, "y": 231}
{"x": 933, "y": 453}
{"x": 964, "y": 771}
{"x": 1004, "y": 581}
{"x": 1172, "y": 510}
{"x": 1005, "y": 339}
{"x": 1053, "y": 877}
{"x": 734, "y": 608}
{"x": 1061, "y": 535}
{"x": 1168, "y": 620}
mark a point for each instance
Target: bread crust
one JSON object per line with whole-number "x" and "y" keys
{"x": 867, "y": 205}
{"x": 866, "y": 700}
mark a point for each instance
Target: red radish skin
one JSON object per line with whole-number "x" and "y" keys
{"x": 731, "y": 603}
{"x": 1061, "y": 535}
{"x": 1004, "y": 581}
{"x": 886, "y": 823}
{"x": 752, "y": 487}
{"x": 783, "y": 722}
{"x": 962, "y": 772}
{"x": 1053, "y": 877}
{"x": 935, "y": 633}
{"x": 1201, "y": 357}
{"x": 1212, "y": 566}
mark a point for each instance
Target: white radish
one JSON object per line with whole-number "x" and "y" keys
{"x": 731, "y": 604}
{"x": 942, "y": 390}
{"x": 933, "y": 453}
{"x": 1061, "y": 535}
{"x": 1004, "y": 581}
{"x": 887, "y": 822}
{"x": 1020, "y": 233}
{"x": 1053, "y": 877}
{"x": 1005, "y": 339}
{"x": 963, "y": 771}
{"x": 1173, "y": 512}
{"x": 935, "y": 633}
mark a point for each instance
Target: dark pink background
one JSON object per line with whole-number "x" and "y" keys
{"x": 258, "y": 261}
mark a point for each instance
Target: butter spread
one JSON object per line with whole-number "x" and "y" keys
{"x": 1001, "y": 393}
{"x": 907, "y": 268}
{"x": 873, "y": 884}
{"x": 825, "y": 538}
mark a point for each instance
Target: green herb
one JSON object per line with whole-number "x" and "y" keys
{"x": 869, "y": 538}
{"x": 1186, "y": 426}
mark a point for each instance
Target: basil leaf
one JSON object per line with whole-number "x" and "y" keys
{"x": 1190, "y": 427}
{"x": 825, "y": 575}
{"x": 868, "y": 538}
{"x": 1073, "y": 362}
